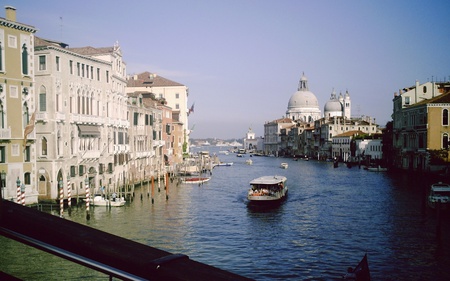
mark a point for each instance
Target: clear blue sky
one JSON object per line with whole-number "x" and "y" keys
{"x": 242, "y": 59}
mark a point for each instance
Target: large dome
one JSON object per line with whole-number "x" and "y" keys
{"x": 303, "y": 98}
{"x": 303, "y": 104}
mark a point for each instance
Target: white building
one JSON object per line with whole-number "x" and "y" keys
{"x": 173, "y": 93}
{"x": 81, "y": 118}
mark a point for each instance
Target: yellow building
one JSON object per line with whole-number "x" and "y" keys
{"x": 17, "y": 149}
{"x": 425, "y": 129}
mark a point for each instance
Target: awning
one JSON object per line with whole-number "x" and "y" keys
{"x": 89, "y": 130}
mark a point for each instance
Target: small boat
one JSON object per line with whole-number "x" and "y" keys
{"x": 195, "y": 179}
{"x": 100, "y": 200}
{"x": 225, "y": 164}
{"x": 284, "y": 165}
{"x": 361, "y": 271}
{"x": 377, "y": 169}
{"x": 267, "y": 189}
{"x": 439, "y": 196}
{"x": 249, "y": 162}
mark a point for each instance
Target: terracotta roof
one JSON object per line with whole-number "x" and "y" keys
{"x": 147, "y": 79}
{"x": 40, "y": 42}
{"x": 350, "y": 134}
{"x": 90, "y": 51}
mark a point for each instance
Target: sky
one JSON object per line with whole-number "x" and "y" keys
{"x": 242, "y": 59}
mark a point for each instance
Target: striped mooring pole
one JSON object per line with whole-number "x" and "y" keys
{"x": 88, "y": 216}
{"x": 19, "y": 192}
{"x": 22, "y": 195}
{"x": 61, "y": 198}
{"x": 69, "y": 192}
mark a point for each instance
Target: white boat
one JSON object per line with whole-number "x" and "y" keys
{"x": 100, "y": 200}
{"x": 249, "y": 162}
{"x": 284, "y": 165}
{"x": 225, "y": 164}
{"x": 267, "y": 189}
{"x": 195, "y": 179}
{"x": 377, "y": 169}
{"x": 439, "y": 195}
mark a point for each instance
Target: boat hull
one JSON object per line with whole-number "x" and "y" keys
{"x": 195, "y": 180}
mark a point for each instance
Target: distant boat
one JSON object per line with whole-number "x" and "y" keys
{"x": 249, "y": 162}
{"x": 284, "y": 165}
{"x": 439, "y": 195}
{"x": 225, "y": 164}
{"x": 195, "y": 179}
{"x": 100, "y": 200}
{"x": 377, "y": 169}
{"x": 267, "y": 189}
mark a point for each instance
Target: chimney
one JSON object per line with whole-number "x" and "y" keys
{"x": 10, "y": 13}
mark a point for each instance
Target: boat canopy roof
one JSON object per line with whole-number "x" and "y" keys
{"x": 268, "y": 180}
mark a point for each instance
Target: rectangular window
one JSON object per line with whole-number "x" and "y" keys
{"x": 407, "y": 101}
{"x": 57, "y": 64}
{"x": 42, "y": 102}
{"x": 136, "y": 119}
{"x": 71, "y": 67}
{"x": 13, "y": 92}
{"x": 82, "y": 70}
{"x": 107, "y": 76}
{"x": 98, "y": 74}
{"x": 73, "y": 171}
{"x": 78, "y": 69}
{"x": 81, "y": 170}
{"x": 2, "y": 154}
{"x": 177, "y": 106}
{"x": 42, "y": 63}
{"x": 92, "y": 72}
{"x": 15, "y": 151}
{"x": 177, "y": 96}
{"x": 27, "y": 178}
{"x": 27, "y": 154}
{"x": 12, "y": 41}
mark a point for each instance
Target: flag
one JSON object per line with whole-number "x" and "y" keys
{"x": 29, "y": 128}
{"x": 191, "y": 110}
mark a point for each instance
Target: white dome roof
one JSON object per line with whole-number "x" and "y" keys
{"x": 303, "y": 98}
{"x": 334, "y": 107}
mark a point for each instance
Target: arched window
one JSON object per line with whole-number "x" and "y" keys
{"x": 445, "y": 141}
{"x": 42, "y": 99}
{"x": 44, "y": 146}
{"x": 445, "y": 117}
{"x": 24, "y": 59}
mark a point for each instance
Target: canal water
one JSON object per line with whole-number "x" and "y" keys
{"x": 331, "y": 218}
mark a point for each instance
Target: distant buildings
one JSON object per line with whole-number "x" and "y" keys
{"x": 305, "y": 132}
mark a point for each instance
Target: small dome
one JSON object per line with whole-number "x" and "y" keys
{"x": 333, "y": 105}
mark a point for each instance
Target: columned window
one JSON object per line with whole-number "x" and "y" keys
{"x": 42, "y": 99}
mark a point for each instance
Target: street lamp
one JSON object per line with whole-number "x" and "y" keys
{"x": 2, "y": 183}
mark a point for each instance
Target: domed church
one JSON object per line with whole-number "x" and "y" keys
{"x": 303, "y": 105}
{"x": 340, "y": 107}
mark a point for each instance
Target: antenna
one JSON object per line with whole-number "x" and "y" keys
{"x": 61, "y": 27}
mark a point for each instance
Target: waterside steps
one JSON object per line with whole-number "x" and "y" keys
{"x": 107, "y": 253}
